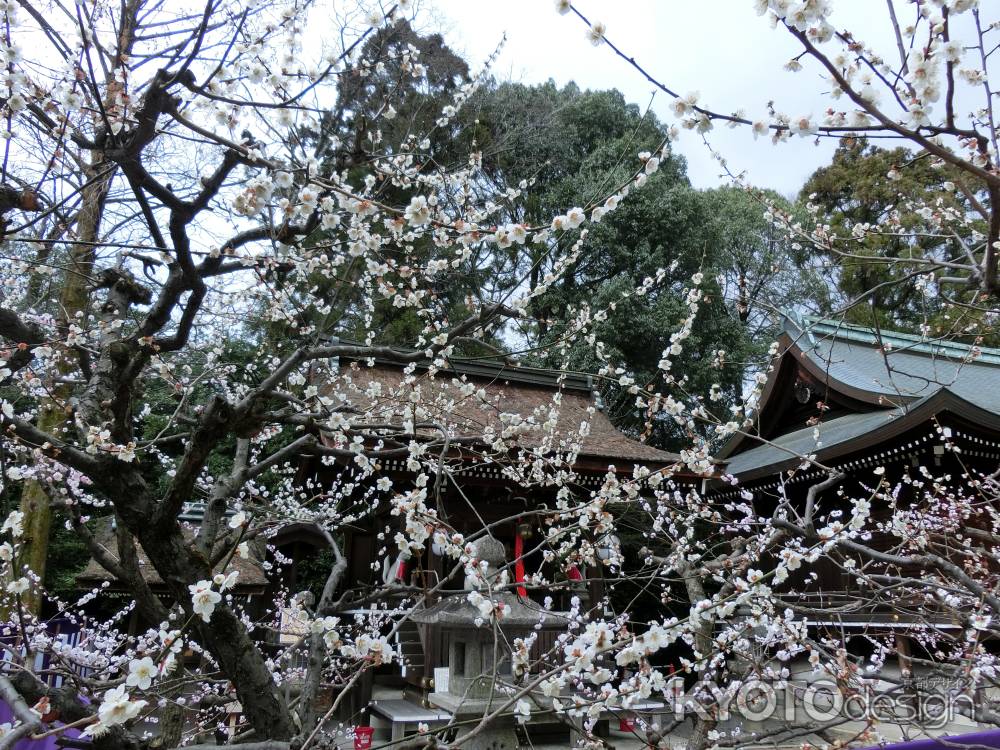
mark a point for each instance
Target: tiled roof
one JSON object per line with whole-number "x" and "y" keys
{"x": 895, "y": 368}
{"x": 251, "y": 578}
{"x": 852, "y": 433}
{"x": 902, "y": 377}
{"x": 550, "y": 416}
{"x": 790, "y": 446}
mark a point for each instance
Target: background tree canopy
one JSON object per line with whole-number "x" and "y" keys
{"x": 553, "y": 147}
{"x": 570, "y": 146}
{"x": 866, "y": 185}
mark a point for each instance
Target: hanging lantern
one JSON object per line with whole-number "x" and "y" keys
{"x": 607, "y": 547}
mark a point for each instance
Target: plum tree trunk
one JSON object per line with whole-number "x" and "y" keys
{"x": 225, "y": 636}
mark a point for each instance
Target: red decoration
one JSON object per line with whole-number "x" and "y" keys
{"x": 519, "y": 564}
{"x": 363, "y": 737}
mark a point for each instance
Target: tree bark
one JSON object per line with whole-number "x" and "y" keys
{"x": 65, "y": 703}
{"x": 225, "y": 636}
{"x": 171, "y": 725}
{"x": 73, "y": 298}
{"x": 703, "y": 726}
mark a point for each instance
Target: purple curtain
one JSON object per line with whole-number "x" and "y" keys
{"x": 990, "y": 738}
{"x": 49, "y": 743}
{"x": 70, "y": 632}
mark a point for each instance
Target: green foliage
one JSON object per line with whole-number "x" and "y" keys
{"x": 855, "y": 189}
{"x": 67, "y": 557}
{"x": 344, "y": 138}
{"x": 553, "y": 135}
{"x": 562, "y": 147}
{"x": 362, "y": 99}
{"x": 312, "y": 570}
{"x": 762, "y": 271}
{"x": 577, "y": 147}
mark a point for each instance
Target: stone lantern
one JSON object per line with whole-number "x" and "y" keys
{"x": 476, "y": 653}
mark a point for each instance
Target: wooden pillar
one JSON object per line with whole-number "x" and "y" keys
{"x": 595, "y": 585}
{"x": 904, "y": 654}
{"x": 355, "y": 707}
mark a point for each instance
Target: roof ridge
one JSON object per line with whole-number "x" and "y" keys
{"x": 815, "y": 326}
{"x": 491, "y": 368}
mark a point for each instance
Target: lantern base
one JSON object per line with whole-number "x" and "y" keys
{"x": 499, "y": 735}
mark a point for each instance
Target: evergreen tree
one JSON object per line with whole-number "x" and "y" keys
{"x": 905, "y": 194}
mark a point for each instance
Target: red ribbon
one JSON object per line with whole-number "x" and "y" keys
{"x": 519, "y": 561}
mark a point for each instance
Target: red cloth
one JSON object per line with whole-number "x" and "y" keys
{"x": 519, "y": 563}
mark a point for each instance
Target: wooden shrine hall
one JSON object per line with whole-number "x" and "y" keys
{"x": 537, "y": 414}
{"x": 858, "y": 399}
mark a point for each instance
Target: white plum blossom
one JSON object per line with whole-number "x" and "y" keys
{"x": 980, "y": 621}
{"x": 683, "y": 105}
{"x": 204, "y": 599}
{"x": 13, "y": 524}
{"x": 595, "y": 34}
{"x": 481, "y": 603}
{"x": 418, "y": 212}
{"x": 575, "y": 217}
{"x": 225, "y": 581}
{"x": 16, "y": 102}
{"x": 117, "y": 708}
{"x": 953, "y": 51}
{"x": 141, "y": 673}
{"x": 803, "y": 125}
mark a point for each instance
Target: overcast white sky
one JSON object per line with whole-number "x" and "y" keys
{"x": 720, "y": 48}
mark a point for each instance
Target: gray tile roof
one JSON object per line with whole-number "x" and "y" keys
{"x": 898, "y": 367}
{"x": 802, "y": 442}
{"x": 904, "y": 377}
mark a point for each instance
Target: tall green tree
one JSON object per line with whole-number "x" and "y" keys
{"x": 575, "y": 147}
{"x": 905, "y": 195}
{"x": 764, "y": 272}
{"x": 405, "y": 105}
